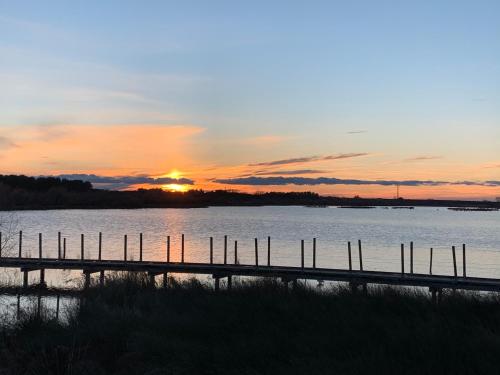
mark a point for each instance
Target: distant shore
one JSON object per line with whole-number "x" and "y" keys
{"x": 29, "y": 193}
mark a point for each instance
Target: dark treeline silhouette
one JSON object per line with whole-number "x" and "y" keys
{"x": 43, "y": 184}
{"x": 22, "y": 192}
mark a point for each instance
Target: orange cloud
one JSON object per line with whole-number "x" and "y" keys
{"x": 111, "y": 149}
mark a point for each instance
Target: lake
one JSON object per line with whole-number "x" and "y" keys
{"x": 381, "y": 230}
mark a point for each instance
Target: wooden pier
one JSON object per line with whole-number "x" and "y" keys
{"x": 355, "y": 278}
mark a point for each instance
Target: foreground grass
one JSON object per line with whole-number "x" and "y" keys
{"x": 257, "y": 328}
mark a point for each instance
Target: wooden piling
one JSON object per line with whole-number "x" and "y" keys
{"x": 25, "y": 279}
{"x": 140, "y": 247}
{"x": 59, "y": 245}
{"x": 411, "y": 257}
{"x": 430, "y": 262}
{"x": 211, "y": 250}
{"x": 42, "y": 277}
{"x": 235, "y": 252}
{"x": 182, "y": 248}
{"x": 402, "y": 258}
{"x": 268, "y": 251}
{"x": 454, "y": 261}
{"x": 0, "y": 244}
{"x": 57, "y": 307}
{"x": 20, "y": 244}
{"x": 40, "y": 256}
{"x": 360, "y": 256}
{"x": 82, "y": 249}
{"x": 463, "y": 260}
{"x": 229, "y": 282}
{"x": 168, "y": 249}
{"x": 64, "y": 248}
{"x": 256, "y": 253}
{"x": 165, "y": 280}
{"x": 225, "y": 249}
{"x": 217, "y": 284}
{"x": 302, "y": 253}
{"x": 152, "y": 280}
{"x": 314, "y": 252}
{"x": 101, "y": 278}
{"x": 125, "y": 247}
{"x": 100, "y": 246}
{"x": 86, "y": 275}
{"x": 349, "y": 253}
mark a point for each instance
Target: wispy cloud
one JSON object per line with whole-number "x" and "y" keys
{"x": 289, "y": 172}
{"x": 424, "y": 158}
{"x": 268, "y": 181}
{"x": 309, "y": 159}
{"x": 357, "y": 132}
{"x": 6, "y": 143}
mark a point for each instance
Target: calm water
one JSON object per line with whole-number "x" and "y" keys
{"x": 381, "y": 230}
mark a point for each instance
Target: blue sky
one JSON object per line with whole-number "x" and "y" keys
{"x": 412, "y": 78}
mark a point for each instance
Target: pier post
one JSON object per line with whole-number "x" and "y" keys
{"x": 101, "y": 278}
{"x": 20, "y": 244}
{"x": 411, "y": 257}
{"x": 58, "y": 245}
{"x": 256, "y": 253}
{"x": 235, "y": 252}
{"x": 349, "y": 254}
{"x": 225, "y": 249}
{"x": 165, "y": 280}
{"x": 64, "y": 248}
{"x": 0, "y": 244}
{"x": 182, "y": 248}
{"x": 57, "y": 307}
{"x": 42, "y": 278}
{"x": 314, "y": 252}
{"x": 217, "y": 283}
{"x": 125, "y": 247}
{"x": 463, "y": 260}
{"x": 140, "y": 247}
{"x": 402, "y": 259}
{"x": 168, "y": 249}
{"x": 454, "y": 261}
{"x": 100, "y": 246}
{"x": 302, "y": 253}
{"x": 229, "y": 282}
{"x": 430, "y": 263}
{"x": 86, "y": 275}
{"x": 269, "y": 251}
{"x": 82, "y": 249}
{"x": 40, "y": 256}
{"x": 211, "y": 250}
{"x": 360, "y": 256}
{"x": 25, "y": 279}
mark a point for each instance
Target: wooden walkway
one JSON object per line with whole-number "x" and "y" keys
{"x": 220, "y": 271}
{"x": 355, "y": 278}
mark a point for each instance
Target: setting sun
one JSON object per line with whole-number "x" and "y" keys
{"x": 175, "y": 187}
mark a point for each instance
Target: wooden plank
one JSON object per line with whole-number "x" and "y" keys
{"x": 349, "y": 253}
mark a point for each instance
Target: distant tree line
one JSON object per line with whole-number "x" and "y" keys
{"x": 42, "y": 184}
{"x": 22, "y": 193}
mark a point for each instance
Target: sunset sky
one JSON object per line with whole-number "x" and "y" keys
{"x": 338, "y": 97}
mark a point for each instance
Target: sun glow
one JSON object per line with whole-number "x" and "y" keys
{"x": 175, "y": 187}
